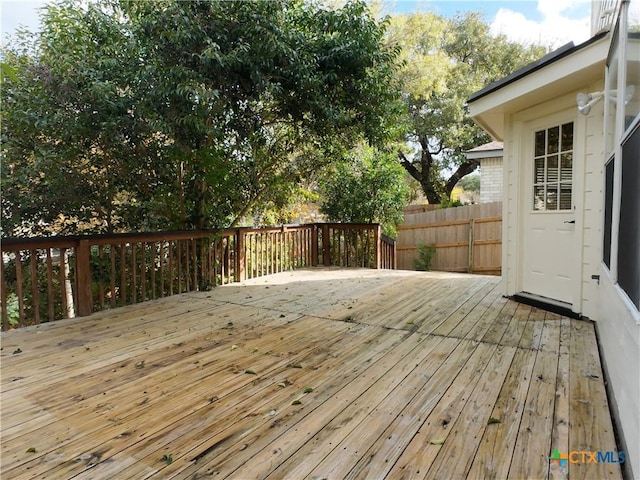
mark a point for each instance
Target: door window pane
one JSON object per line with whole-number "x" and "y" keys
{"x": 538, "y": 198}
{"x": 552, "y": 197}
{"x": 539, "y": 173}
{"x": 540, "y": 143}
{"x": 553, "y": 168}
{"x": 554, "y": 139}
{"x": 567, "y": 137}
{"x": 566, "y": 167}
{"x": 565, "y": 196}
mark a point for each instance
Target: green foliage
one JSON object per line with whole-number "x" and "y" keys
{"x": 13, "y": 312}
{"x": 445, "y": 60}
{"x": 127, "y": 115}
{"x": 470, "y": 183}
{"x": 426, "y": 254}
{"x": 368, "y": 186}
{"x": 448, "y": 203}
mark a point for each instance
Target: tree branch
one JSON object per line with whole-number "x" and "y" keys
{"x": 409, "y": 167}
{"x": 465, "y": 168}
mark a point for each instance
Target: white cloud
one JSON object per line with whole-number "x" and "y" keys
{"x": 559, "y": 25}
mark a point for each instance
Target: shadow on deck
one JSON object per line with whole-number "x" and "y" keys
{"x": 319, "y": 373}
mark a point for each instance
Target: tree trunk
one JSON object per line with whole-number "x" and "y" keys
{"x": 423, "y": 176}
{"x": 464, "y": 169}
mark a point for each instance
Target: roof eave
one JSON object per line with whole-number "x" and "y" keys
{"x": 545, "y": 61}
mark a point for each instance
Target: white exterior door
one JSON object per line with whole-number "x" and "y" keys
{"x": 551, "y": 255}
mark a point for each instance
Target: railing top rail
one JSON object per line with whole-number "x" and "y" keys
{"x": 67, "y": 241}
{"x": 63, "y": 241}
{"x": 351, "y": 226}
{"x": 387, "y": 239}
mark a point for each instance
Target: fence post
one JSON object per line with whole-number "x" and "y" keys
{"x": 83, "y": 278}
{"x": 378, "y": 252}
{"x": 471, "y": 244}
{"x": 240, "y": 256}
{"x": 326, "y": 253}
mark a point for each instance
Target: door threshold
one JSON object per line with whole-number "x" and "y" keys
{"x": 546, "y": 303}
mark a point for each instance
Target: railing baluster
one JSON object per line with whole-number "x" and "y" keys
{"x": 123, "y": 274}
{"x": 211, "y": 248}
{"x": 161, "y": 262}
{"x": 19, "y": 287}
{"x": 143, "y": 271}
{"x": 152, "y": 264}
{"x": 179, "y": 258}
{"x": 112, "y": 277}
{"x": 3, "y": 297}
{"x": 100, "y": 276}
{"x": 264, "y": 241}
{"x": 263, "y": 254}
{"x": 50, "y": 301}
{"x": 134, "y": 271}
{"x": 187, "y": 270}
{"x": 203, "y": 277}
{"x": 170, "y": 251}
{"x": 194, "y": 255}
{"x": 35, "y": 297}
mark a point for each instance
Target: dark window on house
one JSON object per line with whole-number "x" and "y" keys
{"x": 629, "y": 233}
{"x": 608, "y": 211}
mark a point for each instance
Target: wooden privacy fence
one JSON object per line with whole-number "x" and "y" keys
{"x": 45, "y": 279}
{"x": 467, "y": 239}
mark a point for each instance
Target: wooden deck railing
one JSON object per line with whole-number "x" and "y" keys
{"x": 45, "y": 279}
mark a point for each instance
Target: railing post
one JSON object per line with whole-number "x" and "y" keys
{"x": 394, "y": 261}
{"x": 314, "y": 245}
{"x": 326, "y": 245}
{"x": 378, "y": 255}
{"x": 83, "y": 278}
{"x": 240, "y": 256}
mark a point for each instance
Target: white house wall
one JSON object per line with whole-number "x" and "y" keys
{"x": 619, "y": 338}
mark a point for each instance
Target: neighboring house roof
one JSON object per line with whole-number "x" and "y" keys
{"x": 488, "y": 150}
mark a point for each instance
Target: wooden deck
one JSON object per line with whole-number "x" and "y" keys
{"x": 318, "y": 373}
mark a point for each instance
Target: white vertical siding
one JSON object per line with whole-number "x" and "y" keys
{"x": 510, "y": 205}
{"x": 593, "y": 205}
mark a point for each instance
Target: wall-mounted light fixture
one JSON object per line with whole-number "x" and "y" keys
{"x": 587, "y": 100}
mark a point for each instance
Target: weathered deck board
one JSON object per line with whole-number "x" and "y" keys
{"x": 396, "y": 374}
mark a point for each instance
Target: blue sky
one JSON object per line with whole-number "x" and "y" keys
{"x": 552, "y": 22}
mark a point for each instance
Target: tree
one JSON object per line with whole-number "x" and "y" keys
{"x": 470, "y": 183}
{"x": 176, "y": 114}
{"x": 444, "y": 62}
{"x": 368, "y": 186}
